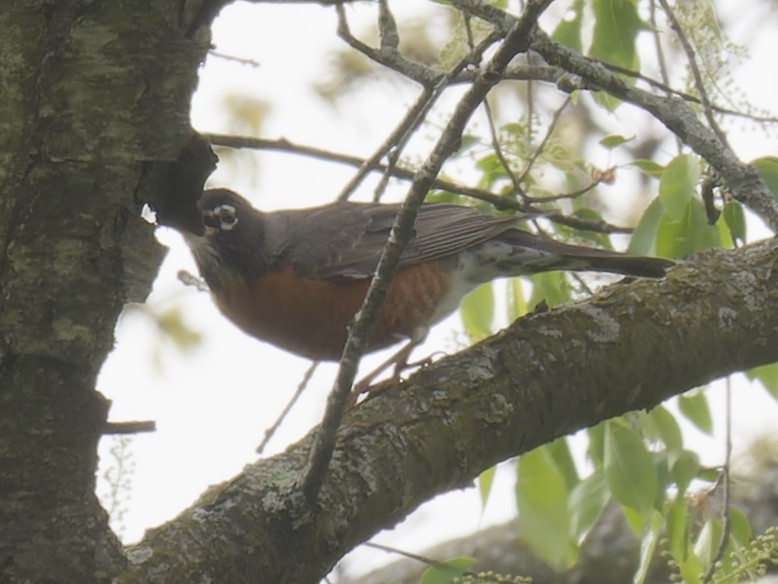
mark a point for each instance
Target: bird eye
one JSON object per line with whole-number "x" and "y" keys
{"x": 222, "y": 218}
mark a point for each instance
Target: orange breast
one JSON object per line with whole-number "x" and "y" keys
{"x": 310, "y": 317}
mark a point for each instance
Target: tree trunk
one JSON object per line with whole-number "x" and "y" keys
{"x": 95, "y": 102}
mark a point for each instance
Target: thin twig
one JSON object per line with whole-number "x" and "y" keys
{"x": 726, "y": 518}
{"x": 698, "y": 81}
{"x": 681, "y": 94}
{"x": 660, "y": 57}
{"x": 497, "y": 147}
{"x": 500, "y": 202}
{"x": 595, "y": 225}
{"x": 412, "y": 556}
{"x": 743, "y": 181}
{"x": 282, "y": 416}
{"x": 567, "y": 196}
{"x": 242, "y": 60}
{"x": 388, "y": 55}
{"x": 284, "y": 145}
{"x": 546, "y": 138}
{"x": 550, "y": 74}
{"x": 135, "y": 427}
{"x": 433, "y": 89}
{"x": 403, "y": 553}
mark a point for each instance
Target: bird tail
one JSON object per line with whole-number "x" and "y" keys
{"x": 531, "y": 254}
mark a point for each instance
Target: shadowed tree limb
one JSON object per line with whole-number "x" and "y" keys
{"x": 546, "y": 376}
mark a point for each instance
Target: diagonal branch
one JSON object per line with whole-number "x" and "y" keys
{"x": 699, "y": 83}
{"x": 743, "y": 181}
{"x": 360, "y": 329}
{"x": 498, "y": 201}
{"x": 550, "y": 374}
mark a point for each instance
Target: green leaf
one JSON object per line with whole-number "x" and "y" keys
{"x": 551, "y": 287}
{"x": 173, "y": 325}
{"x": 596, "y": 450}
{"x": 587, "y": 502}
{"x": 667, "y": 427}
{"x": 678, "y": 537}
{"x": 767, "y": 375}
{"x": 694, "y": 407}
{"x": 517, "y": 306}
{"x": 629, "y": 468}
{"x": 635, "y": 520}
{"x": 491, "y": 168}
{"x": 735, "y": 219}
{"x": 467, "y": 142}
{"x": 485, "y": 481}
{"x": 684, "y": 469}
{"x": 643, "y": 241}
{"x": 649, "y": 166}
{"x": 678, "y": 184}
{"x": 559, "y": 450}
{"x": 768, "y": 169}
{"x": 616, "y": 25}
{"x": 445, "y": 572}
{"x": 708, "y": 540}
{"x": 691, "y": 569}
{"x": 677, "y": 529}
{"x": 568, "y": 31}
{"x": 688, "y": 236}
{"x": 614, "y": 141}
{"x": 661, "y": 467}
{"x": 740, "y": 527}
{"x": 477, "y": 310}
{"x": 542, "y": 494}
{"x": 711, "y": 475}
{"x": 725, "y": 235}
{"x": 648, "y": 547}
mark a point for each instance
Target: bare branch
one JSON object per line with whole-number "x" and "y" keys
{"x": 744, "y": 181}
{"x": 388, "y": 55}
{"x": 549, "y": 132}
{"x": 282, "y": 416}
{"x": 698, "y": 81}
{"x": 415, "y": 115}
{"x": 726, "y": 523}
{"x": 500, "y": 202}
{"x": 517, "y": 40}
{"x": 135, "y": 427}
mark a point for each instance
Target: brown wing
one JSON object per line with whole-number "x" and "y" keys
{"x": 346, "y": 239}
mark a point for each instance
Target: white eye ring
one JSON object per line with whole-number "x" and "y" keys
{"x": 227, "y": 217}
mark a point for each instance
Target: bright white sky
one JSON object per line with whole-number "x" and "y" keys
{"x": 212, "y": 405}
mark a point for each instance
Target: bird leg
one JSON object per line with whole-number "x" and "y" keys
{"x": 399, "y": 362}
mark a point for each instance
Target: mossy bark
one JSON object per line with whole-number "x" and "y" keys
{"x": 95, "y": 102}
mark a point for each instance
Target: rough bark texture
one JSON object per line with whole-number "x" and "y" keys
{"x": 95, "y": 96}
{"x": 549, "y": 374}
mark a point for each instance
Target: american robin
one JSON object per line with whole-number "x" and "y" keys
{"x": 295, "y": 278}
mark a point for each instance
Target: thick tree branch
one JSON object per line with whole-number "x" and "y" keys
{"x": 629, "y": 347}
